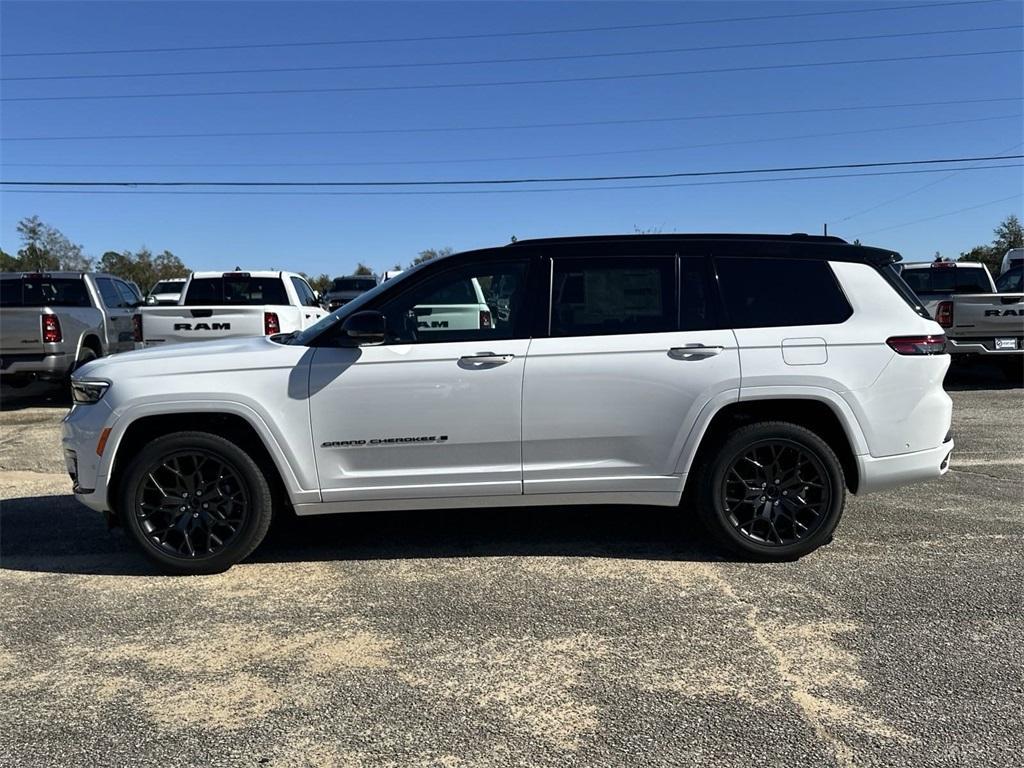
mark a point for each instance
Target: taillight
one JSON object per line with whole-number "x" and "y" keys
{"x": 271, "y": 325}
{"x": 918, "y": 345}
{"x": 51, "y": 330}
{"x": 944, "y": 314}
{"x": 485, "y": 318}
{"x": 137, "y": 327}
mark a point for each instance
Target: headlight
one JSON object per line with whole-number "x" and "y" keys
{"x": 88, "y": 391}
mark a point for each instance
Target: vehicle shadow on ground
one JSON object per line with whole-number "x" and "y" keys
{"x": 54, "y": 534}
{"x": 964, "y": 377}
{"x": 35, "y": 395}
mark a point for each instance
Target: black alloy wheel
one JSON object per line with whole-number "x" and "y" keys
{"x": 771, "y": 491}
{"x": 191, "y": 504}
{"x": 775, "y": 492}
{"x": 195, "y": 502}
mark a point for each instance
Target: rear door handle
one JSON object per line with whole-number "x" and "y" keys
{"x": 694, "y": 352}
{"x": 484, "y": 360}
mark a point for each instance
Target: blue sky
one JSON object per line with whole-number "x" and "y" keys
{"x": 330, "y": 233}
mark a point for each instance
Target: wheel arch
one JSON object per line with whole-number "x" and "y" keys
{"x": 231, "y": 425}
{"x": 826, "y": 416}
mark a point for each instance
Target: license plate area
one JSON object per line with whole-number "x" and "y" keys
{"x": 1004, "y": 343}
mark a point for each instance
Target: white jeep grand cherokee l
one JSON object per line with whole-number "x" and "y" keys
{"x": 754, "y": 379}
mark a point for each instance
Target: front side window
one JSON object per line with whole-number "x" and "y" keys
{"x": 768, "y": 292}
{"x": 128, "y": 295}
{"x": 306, "y": 296}
{"x": 1011, "y": 281}
{"x": 470, "y": 303}
{"x": 605, "y": 296}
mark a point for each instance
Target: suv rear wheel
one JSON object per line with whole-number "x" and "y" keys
{"x": 772, "y": 491}
{"x": 195, "y": 503}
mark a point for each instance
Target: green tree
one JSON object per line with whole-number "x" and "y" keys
{"x": 8, "y": 263}
{"x": 1009, "y": 234}
{"x": 141, "y": 267}
{"x": 362, "y": 269}
{"x": 45, "y": 248}
{"x": 431, "y": 253}
{"x": 321, "y": 283}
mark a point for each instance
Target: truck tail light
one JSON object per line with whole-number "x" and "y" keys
{"x": 944, "y": 314}
{"x": 271, "y": 324}
{"x": 918, "y": 345}
{"x": 137, "y": 327}
{"x": 51, "y": 330}
{"x": 485, "y": 319}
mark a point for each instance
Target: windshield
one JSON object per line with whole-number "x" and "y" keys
{"x": 947, "y": 280}
{"x": 1011, "y": 280}
{"x": 303, "y": 338}
{"x": 353, "y": 284}
{"x": 168, "y": 286}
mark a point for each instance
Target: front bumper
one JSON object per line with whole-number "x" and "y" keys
{"x": 881, "y": 474}
{"x": 80, "y": 434}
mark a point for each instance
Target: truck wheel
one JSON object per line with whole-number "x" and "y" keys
{"x": 771, "y": 491}
{"x": 195, "y": 502}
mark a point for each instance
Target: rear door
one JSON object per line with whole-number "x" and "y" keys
{"x": 117, "y": 311}
{"x": 633, "y": 351}
{"x": 309, "y": 308}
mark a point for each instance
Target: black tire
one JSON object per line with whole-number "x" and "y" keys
{"x": 85, "y": 355}
{"x": 238, "y": 504}
{"x": 768, "y": 523}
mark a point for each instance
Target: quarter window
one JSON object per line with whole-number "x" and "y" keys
{"x": 768, "y": 292}
{"x": 607, "y": 296}
{"x": 306, "y": 296}
{"x": 475, "y": 302}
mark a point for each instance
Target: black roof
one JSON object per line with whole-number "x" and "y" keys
{"x": 797, "y": 244}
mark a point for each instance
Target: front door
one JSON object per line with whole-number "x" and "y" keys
{"x": 635, "y": 351}
{"x": 434, "y": 412}
{"x": 117, "y": 313}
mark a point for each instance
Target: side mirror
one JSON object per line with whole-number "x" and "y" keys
{"x": 150, "y": 301}
{"x": 365, "y": 327}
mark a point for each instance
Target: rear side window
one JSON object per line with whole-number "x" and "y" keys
{"x": 44, "y": 292}
{"x": 240, "y": 290}
{"x": 304, "y": 292}
{"x": 770, "y": 292}
{"x": 607, "y": 296}
{"x": 947, "y": 279}
{"x": 698, "y": 305}
{"x": 1011, "y": 281}
{"x": 108, "y": 291}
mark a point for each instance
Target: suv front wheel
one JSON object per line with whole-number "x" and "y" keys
{"x": 195, "y": 503}
{"x": 771, "y": 491}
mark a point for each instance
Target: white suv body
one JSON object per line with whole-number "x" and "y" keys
{"x": 614, "y": 370}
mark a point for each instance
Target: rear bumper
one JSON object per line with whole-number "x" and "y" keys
{"x": 56, "y": 365}
{"x": 881, "y": 474}
{"x": 977, "y": 347}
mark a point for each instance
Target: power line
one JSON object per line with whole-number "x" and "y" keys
{"x": 490, "y": 35}
{"x": 914, "y": 191}
{"x": 533, "y": 180}
{"x": 520, "y": 60}
{"x": 515, "y": 127}
{"x": 511, "y": 158}
{"x": 505, "y": 191}
{"x": 506, "y": 83}
{"x": 942, "y": 215}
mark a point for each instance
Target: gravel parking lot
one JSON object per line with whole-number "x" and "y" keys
{"x": 585, "y": 637}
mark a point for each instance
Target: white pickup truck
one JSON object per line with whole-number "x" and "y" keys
{"x": 222, "y": 305}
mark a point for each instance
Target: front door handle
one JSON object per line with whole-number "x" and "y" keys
{"x": 484, "y": 360}
{"x": 694, "y": 352}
